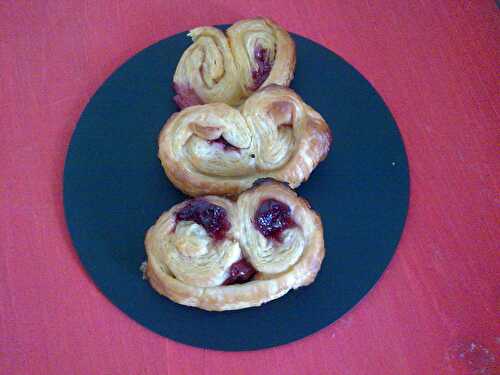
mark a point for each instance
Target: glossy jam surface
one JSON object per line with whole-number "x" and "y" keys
{"x": 210, "y": 216}
{"x": 186, "y": 96}
{"x": 264, "y": 66}
{"x": 224, "y": 144}
{"x": 272, "y": 218}
{"x": 240, "y": 272}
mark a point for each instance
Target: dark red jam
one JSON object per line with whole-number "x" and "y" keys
{"x": 224, "y": 144}
{"x": 210, "y": 216}
{"x": 264, "y": 66}
{"x": 186, "y": 96}
{"x": 272, "y": 218}
{"x": 240, "y": 272}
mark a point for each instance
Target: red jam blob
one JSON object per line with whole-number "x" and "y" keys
{"x": 186, "y": 96}
{"x": 224, "y": 144}
{"x": 264, "y": 66}
{"x": 210, "y": 216}
{"x": 240, "y": 272}
{"x": 272, "y": 218}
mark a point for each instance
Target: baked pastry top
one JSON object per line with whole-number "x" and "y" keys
{"x": 217, "y": 254}
{"x": 226, "y": 67}
{"x": 217, "y": 149}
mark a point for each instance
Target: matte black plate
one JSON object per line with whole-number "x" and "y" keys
{"x": 114, "y": 189}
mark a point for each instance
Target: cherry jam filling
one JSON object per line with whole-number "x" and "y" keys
{"x": 210, "y": 216}
{"x": 186, "y": 96}
{"x": 272, "y": 218}
{"x": 240, "y": 272}
{"x": 224, "y": 144}
{"x": 264, "y": 66}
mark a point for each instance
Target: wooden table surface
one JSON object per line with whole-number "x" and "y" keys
{"x": 435, "y": 310}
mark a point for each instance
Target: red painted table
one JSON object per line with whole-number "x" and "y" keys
{"x": 435, "y": 309}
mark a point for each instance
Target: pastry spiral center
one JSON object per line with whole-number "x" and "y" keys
{"x": 272, "y": 218}
{"x": 224, "y": 144}
{"x": 211, "y": 217}
{"x": 191, "y": 240}
{"x": 264, "y": 66}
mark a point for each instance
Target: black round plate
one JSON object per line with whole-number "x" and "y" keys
{"x": 114, "y": 189}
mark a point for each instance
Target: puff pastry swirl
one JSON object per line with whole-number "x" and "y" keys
{"x": 217, "y": 149}
{"x": 226, "y": 67}
{"x": 217, "y": 254}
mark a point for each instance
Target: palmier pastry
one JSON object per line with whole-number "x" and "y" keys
{"x": 226, "y": 67}
{"x": 217, "y": 254}
{"x": 221, "y": 150}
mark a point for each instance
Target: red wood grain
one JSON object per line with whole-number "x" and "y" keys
{"x": 435, "y": 310}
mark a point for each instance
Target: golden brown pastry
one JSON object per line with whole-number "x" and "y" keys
{"x": 217, "y": 149}
{"x": 227, "y": 67}
{"x": 217, "y": 254}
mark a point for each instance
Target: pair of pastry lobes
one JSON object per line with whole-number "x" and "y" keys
{"x": 218, "y": 149}
{"x": 226, "y": 67}
{"x": 217, "y": 254}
